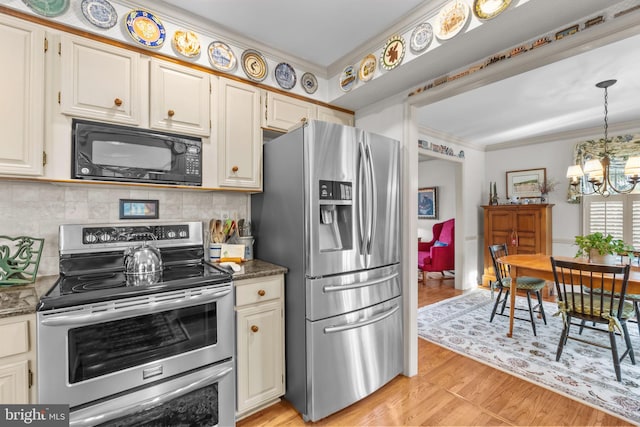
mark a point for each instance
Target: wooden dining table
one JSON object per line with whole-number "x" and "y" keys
{"x": 540, "y": 266}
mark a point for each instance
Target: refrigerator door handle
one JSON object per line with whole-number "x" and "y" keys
{"x": 369, "y": 321}
{"x": 338, "y": 288}
{"x": 361, "y": 186}
{"x": 373, "y": 205}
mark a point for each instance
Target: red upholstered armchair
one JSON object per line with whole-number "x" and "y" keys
{"x": 439, "y": 253}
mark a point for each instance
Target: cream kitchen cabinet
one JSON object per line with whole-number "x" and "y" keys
{"x": 17, "y": 359}
{"x": 22, "y": 88}
{"x": 99, "y": 81}
{"x": 179, "y": 99}
{"x": 239, "y": 135}
{"x": 260, "y": 342}
{"x": 284, "y": 112}
{"x": 334, "y": 116}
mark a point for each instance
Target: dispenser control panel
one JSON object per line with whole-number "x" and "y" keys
{"x": 335, "y": 190}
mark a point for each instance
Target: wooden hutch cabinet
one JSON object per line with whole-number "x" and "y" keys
{"x": 526, "y": 229}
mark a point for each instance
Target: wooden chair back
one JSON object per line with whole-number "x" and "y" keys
{"x": 502, "y": 271}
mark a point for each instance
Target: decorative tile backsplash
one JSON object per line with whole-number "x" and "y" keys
{"x": 38, "y": 209}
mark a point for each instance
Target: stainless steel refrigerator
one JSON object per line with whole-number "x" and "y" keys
{"x": 330, "y": 213}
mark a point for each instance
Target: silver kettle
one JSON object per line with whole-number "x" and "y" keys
{"x": 142, "y": 265}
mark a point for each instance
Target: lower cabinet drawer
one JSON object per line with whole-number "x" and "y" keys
{"x": 257, "y": 290}
{"x": 15, "y": 338}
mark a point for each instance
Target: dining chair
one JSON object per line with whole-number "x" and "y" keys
{"x": 529, "y": 285}
{"x": 585, "y": 300}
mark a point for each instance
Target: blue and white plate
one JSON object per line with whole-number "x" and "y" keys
{"x": 285, "y": 75}
{"x": 421, "y": 37}
{"x": 222, "y": 57}
{"x": 145, "y": 28}
{"x": 99, "y": 13}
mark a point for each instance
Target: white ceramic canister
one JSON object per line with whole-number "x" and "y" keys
{"x": 247, "y": 241}
{"x": 214, "y": 251}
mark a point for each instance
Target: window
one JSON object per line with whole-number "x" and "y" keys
{"x": 617, "y": 215}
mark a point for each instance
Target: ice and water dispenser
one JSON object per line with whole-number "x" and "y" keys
{"x": 336, "y": 210}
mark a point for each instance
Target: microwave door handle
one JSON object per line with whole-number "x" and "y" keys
{"x": 361, "y": 174}
{"x": 99, "y": 417}
{"x": 82, "y": 319}
{"x": 365, "y": 322}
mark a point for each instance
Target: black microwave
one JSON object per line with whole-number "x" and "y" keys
{"x": 109, "y": 152}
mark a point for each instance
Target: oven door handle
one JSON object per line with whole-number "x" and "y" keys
{"x": 81, "y": 319}
{"x": 100, "y": 416}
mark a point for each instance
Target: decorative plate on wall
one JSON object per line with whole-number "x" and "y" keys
{"x": 99, "y": 13}
{"x": 285, "y": 75}
{"x": 186, "y": 43}
{"x": 367, "y": 68}
{"x": 348, "y": 78}
{"x": 48, "y": 8}
{"x": 221, "y": 56}
{"x": 451, "y": 19}
{"x": 145, "y": 28}
{"x": 309, "y": 83}
{"x": 421, "y": 37}
{"x": 254, "y": 65}
{"x": 393, "y": 53}
{"x": 487, "y": 9}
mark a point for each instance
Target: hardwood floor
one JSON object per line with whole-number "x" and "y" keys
{"x": 449, "y": 390}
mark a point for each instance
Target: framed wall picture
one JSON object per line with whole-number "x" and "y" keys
{"x": 139, "y": 209}
{"x": 525, "y": 184}
{"x": 428, "y": 203}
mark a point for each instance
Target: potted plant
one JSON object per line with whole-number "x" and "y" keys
{"x": 545, "y": 187}
{"x": 599, "y": 248}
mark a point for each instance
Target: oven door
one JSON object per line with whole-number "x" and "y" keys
{"x": 201, "y": 398}
{"x": 97, "y": 350}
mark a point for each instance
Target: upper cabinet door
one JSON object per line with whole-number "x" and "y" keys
{"x": 99, "y": 81}
{"x": 22, "y": 88}
{"x": 239, "y": 136}
{"x": 334, "y": 116}
{"x": 179, "y": 99}
{"x": 284, "y": 112}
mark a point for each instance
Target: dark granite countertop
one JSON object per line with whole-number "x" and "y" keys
{"x": 22, "y": 299}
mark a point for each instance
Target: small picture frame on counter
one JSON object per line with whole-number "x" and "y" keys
{"x": 139, "y": 209}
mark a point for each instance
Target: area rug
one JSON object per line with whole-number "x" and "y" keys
{"x": 584, "y": 373}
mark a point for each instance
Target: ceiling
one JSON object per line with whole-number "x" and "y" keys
{"x": 554, "y": 98}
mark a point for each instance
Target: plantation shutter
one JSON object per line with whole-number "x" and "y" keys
{"x": 617, "y": 215}
{"x": 635, "y": 224}
{"x": 606, "y": 217}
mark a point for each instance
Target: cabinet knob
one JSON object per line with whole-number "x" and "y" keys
{"x": 254, "y": 328}
{"x": 171, "y": 113}
{"x": 262, "y": 292}
{"x": 234, "y": 169}
{"x": 118, "y": 102}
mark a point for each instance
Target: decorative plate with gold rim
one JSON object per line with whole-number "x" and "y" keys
{"x": 48, "y": 8}
{"x": 145, "y": 28}
{"x": 254, "y": 65}
{"x": 421, "y": 37}
{"x": 309, "y": 83}
{"x": 348, "y": 78}
{"x": 393, "y": 53}
{"x": 186, "y": 43}
{"x": 221, "y": 56}
{"x": 487, "y": 9}
{"x": 367, "y": 68}
{"x": 452, "y": 18}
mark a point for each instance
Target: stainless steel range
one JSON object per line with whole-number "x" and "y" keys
{"x": 137, "y": 352}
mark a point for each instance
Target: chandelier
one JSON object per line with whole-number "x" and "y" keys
{"x": 597, "y": 171}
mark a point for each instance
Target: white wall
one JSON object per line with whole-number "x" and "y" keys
{"x": 440, "y": 174}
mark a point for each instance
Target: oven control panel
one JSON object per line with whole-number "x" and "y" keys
{"x": 101, "y": 235}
